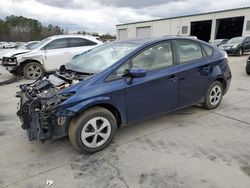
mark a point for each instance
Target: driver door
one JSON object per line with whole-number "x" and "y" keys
{"x": 157, "y": 92}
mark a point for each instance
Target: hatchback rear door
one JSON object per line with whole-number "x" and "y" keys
{"x": 157, "y": 92}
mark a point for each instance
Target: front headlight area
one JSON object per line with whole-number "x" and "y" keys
{"x": 235, "y": 46}
{"x": 9, "y": 61}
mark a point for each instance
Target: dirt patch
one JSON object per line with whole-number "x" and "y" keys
{"x": 99, "y": 169}
{"x": 241, "y": 89}
{"x": 2, "y": 117}
{"x": 2, "y": 133}
{"x": 160, "y": 178}
{"x": 246, "y": 170}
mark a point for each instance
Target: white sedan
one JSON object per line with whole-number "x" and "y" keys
{"x": 47, "y": 55}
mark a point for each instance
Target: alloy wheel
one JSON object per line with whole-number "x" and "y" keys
{"x": 215, "y": 95}
{"x": 96, "y": 132}
{"x": 34, "y": 71}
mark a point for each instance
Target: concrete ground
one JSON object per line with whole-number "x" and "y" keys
{"x": 191, "y": 148}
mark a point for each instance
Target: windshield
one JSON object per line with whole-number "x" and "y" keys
{"x": 39, "y": 44}
{"x": 217, "y": 41}
{"x": 21, "y": 46}
{"x": 101, "y": 57}
{"x": 236, "y": 40}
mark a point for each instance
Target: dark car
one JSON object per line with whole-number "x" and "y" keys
{"x": 119, "y": 83}
{"x": 237, "y": 45}
{"x": 218, "y": 42}
{"x": 248, "y": 65}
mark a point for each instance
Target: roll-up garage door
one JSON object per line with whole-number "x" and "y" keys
{"x": 122, "y": 34}
{"x": 143, "y": 32}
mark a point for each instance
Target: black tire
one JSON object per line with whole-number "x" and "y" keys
{"x": 80, "y": 123}
{"x": 240, "y": 52}
{"x": 248, "y": 68}
{"x": 208, "y": 102}
{"x": 27, "y": 72}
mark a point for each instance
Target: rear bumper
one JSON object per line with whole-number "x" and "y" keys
{"x": 227, "y": 77}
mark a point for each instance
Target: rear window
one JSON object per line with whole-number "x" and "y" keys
{"x": 208, "y": 49}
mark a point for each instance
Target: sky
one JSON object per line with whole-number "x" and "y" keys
{"x": 102, "y": 15}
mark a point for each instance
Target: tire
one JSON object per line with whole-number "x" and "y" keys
{"x": 239, "y": 52}
{"x": 248, "y": 69}
{"x": 214, "y": 96}
{"x": 85, "y": 137}
{"x": 33, "y": 71}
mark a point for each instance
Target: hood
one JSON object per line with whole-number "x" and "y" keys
{"x": 4, "y": 52}
{"x": 16, "y": 52}
{"x": 229, "y": 44}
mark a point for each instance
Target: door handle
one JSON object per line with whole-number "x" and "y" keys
{"x": 172, "y": 78}
{"x": 206, "y": 68}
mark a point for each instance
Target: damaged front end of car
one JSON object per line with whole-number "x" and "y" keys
{"x": 39, "y": 109}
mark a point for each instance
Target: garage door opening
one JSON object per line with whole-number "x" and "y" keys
{"x": 201, "y": 29}
{"x": 143, "y": 32}
{"x": 122, "y": 34}
{"x": 229, "y": 27}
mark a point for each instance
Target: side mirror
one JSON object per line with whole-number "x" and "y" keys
{"x": 135, "y": 72}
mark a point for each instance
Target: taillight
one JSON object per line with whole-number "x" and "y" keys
{"x": 226, "y": 57}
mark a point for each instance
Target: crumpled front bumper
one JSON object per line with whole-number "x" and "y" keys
{"x": 39, "y": 127}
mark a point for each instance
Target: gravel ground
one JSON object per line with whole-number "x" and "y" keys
{"x": 191, "y": 148}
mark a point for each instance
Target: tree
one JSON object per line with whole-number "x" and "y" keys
{"x": 18, "y": 28}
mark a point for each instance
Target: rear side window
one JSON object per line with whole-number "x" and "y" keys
{"x": 188, "y": 50}
{"x": 58, "y": 43}
{"x": 208, "y": 49}
{"x": 76, "y": 42}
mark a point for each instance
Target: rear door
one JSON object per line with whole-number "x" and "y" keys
{"x": 79, "y": 45}
{"x": 193, "y": 71}
{"x": 157, "y": 92}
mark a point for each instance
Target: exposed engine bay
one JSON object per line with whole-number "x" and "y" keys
{"x": 39, "y": 102}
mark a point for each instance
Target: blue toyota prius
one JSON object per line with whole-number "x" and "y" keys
{"x": 119, "y": 83}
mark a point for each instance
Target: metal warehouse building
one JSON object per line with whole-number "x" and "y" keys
{"x": 206, "y": 26}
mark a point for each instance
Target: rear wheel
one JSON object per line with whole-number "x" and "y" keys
{"x": 93, "y": 130}
{"x": 214, "y": 96}
{"x": 33, "y": 70}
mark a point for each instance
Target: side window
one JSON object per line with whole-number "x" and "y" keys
{"x": 156, "y": 57}
{"x": 188, "y": 50}
{"x": 76, "y": 42}
{"x": 117, "y": 74}
{"x": 247, "y": 39}
{"x": 208, "y": 49}
{"x": 58, "y": 43}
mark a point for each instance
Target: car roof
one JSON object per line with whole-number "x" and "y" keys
{"x": 73, "y": 35}
{"x": 154, "y": 39}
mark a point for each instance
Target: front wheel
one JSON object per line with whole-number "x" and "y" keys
{"x": 214, "y": 96}
{"x": 239, "y": 52}
{"x": 33, "y": 71}
{"x": 93, "y": 130}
